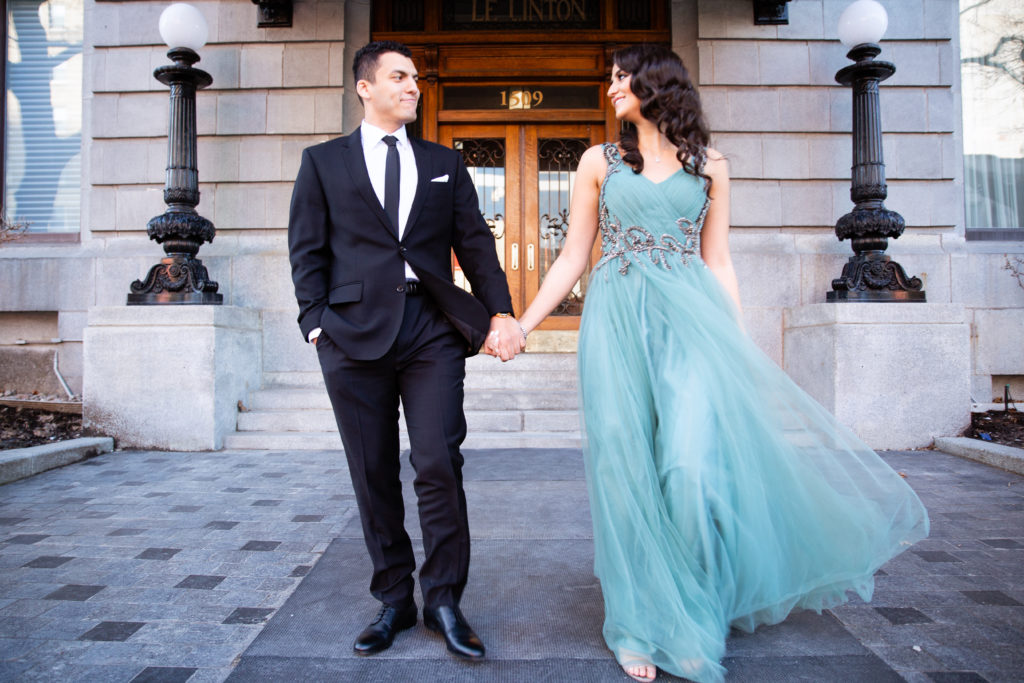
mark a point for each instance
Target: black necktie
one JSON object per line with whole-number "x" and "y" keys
{"x": 392, "y": 172}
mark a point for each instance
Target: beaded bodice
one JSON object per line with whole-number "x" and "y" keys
{"x": 646, "y": 222}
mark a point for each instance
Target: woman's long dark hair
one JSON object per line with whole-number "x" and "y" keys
{"x": 669, "y": 100}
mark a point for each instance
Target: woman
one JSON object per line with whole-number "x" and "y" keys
{"x": 721, "y": 494}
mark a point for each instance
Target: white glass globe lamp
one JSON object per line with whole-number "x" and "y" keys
{"x": 182, "y": 25}
{"x": 864, "y": 21}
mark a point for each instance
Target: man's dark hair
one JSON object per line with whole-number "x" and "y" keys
{"x": 364, "y": 66}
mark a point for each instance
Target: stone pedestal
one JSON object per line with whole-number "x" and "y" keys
{"x": 898, "y": 374}
{"x": 169, "y": 377}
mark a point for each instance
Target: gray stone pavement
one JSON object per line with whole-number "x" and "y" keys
{"x": 150, "y": 566}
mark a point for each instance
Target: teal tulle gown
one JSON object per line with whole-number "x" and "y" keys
{"x": 722, "y": 495}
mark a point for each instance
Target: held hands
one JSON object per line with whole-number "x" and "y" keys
{"x": 505, "y": 339}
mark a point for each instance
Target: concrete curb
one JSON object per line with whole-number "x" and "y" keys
{"x": 997, "y": 455}
{"x": 18, "y": 463}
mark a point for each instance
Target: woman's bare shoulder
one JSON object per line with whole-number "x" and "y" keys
{"x": 593, "y": 161}
{"x": 717, "y": 165}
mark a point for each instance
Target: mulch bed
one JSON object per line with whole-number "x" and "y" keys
{"x": 998, "y": 426}
{"x": 23, "y": 427}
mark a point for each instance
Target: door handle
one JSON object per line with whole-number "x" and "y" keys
{"x": 515, "y": 256}
{"x": 530, "y": 249}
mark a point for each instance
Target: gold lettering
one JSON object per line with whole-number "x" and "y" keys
{"x": 532, "y": 8}
{"x": 525, "y": 11}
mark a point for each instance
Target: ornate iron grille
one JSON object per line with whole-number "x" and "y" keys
{"x": 485, "y": 159}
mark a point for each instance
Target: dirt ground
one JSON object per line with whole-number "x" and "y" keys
{"x": 1003, "y": 427}
{"x": 22, "y": 427}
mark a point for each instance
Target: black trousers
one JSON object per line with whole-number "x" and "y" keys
{"x": 425, "y": 367}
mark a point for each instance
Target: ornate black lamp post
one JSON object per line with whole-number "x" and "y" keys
{"x": 180, "y": 278}
{"x": 870, "y": 274}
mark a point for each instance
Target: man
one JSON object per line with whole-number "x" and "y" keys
{"x": 374, "y": 218}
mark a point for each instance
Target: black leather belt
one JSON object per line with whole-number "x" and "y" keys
{"x": 413, "y": 287}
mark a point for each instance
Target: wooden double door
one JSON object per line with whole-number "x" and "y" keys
{"x": 524, "y": 175}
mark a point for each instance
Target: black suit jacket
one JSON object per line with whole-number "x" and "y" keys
{"x": 348, "y": 263}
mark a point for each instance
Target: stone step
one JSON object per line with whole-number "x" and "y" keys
{"x": 531, "y": 402}
{"x": 291, "y": 398}
{"x": 476, "y": 421}
{"x": 538, "y": 398}
{"x": 539, "y": 380}
{"x": 529, "y": 370}
{"x": 288, "y": 398}
{"x": 481, "y": 378}
{"x": 320, "y": 441}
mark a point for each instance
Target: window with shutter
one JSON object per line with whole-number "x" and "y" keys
{"x": 43, "y": 114}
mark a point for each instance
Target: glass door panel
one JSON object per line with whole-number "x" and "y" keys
{"x": 485, "y": 160}
{"x": 551, "y": 155}
{"x": 524, "y": 176}
{"x": 490, "y": 153}
{"x": 557, "y": 159}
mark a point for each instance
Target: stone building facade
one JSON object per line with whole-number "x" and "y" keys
{"x": 772, "y": 103}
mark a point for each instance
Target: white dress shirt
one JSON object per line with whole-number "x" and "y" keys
{"x": 375, "y": 152}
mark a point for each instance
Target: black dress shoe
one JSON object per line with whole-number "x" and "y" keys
{"x": 381, "y": 632}
{"x": 458, "y": 636}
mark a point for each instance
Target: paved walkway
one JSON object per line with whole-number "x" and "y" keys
{"x": 148, "y": 566}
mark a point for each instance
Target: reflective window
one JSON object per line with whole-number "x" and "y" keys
{"x": 992, "y": 78}
{"x": 43, "y": 114}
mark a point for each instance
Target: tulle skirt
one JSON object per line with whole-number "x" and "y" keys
{"x": 722, "y": 495}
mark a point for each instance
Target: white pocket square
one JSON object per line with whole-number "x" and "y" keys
{"x": 440, "y": 179}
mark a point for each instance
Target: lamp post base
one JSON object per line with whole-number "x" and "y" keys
{"x": 177, "y": 279}
{"x": 876, "y": 297}
{"x": 875, "y": 277}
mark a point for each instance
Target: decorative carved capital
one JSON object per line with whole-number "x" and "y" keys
{"x": 430, "y": 65}
{"x": 181, "y": 226}
{"x": 873, "y": 222}
{"x": 181, "y": 195}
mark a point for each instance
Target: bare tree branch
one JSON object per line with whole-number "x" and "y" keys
{"x": 11, "y": 230}
{"x": 1016, "y": 268}
{"x": 989, "y": 59}
{"x": 975, "y": 6}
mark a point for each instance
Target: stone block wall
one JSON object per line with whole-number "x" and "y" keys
{"x": 274, "y": 92}
{"x": 771, "y": 100}
{"x": 777, "y": 113}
